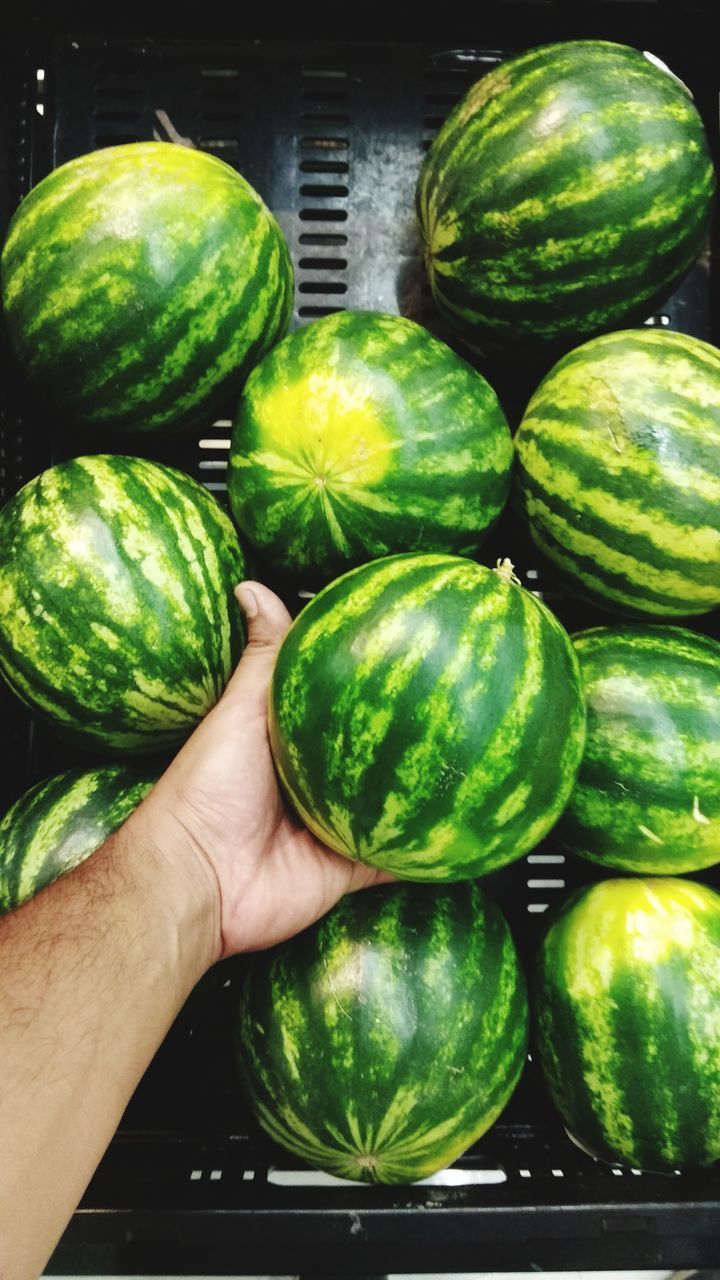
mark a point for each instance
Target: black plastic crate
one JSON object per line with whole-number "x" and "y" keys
{"x": 332, "y": 133}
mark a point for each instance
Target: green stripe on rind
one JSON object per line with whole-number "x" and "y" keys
{"x": 58, "y": 823}
{"x": 618, "y": 463}
{"x": 141, "y": 282}
{"x": 567, "y": 193}
{"x": 426, "y": 716}
{"x": 628, "y": 1025}
{"x": 381, "y": 1043}
{"x": 361, "y": 435}
{"x": 647, "y": 797}
{"x": 117, "y": 615}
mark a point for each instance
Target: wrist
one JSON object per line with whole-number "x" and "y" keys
{"x": 182, "y": 883}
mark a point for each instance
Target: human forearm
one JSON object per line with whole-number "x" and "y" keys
{"x": 92, "y": 973}
{"x": 94, "y": 969}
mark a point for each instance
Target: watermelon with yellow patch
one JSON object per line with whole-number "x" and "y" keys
{"x": 626, "y": 1003}
{"x": 362, "y": 435}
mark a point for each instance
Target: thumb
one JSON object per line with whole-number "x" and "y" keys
{"x": 267, "y": 622}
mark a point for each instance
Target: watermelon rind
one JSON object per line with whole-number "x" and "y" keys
{"x": 426, "y": 716}
{"x": 140, "y": 283}
{"x": 382, "y": 1042}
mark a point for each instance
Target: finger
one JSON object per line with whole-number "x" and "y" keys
{"x": 267, "y": 622}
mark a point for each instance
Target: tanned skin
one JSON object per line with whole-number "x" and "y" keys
{"x": 94, "y": 969}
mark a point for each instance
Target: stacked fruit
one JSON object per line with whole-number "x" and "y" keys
{"x": 428, "y": 715}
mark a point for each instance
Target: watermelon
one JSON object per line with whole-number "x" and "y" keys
{"x": 58, "y": 823}
{"x": 626, "y": 1001}
{"x": 647, "y": 798}
{"x": 381, "y": 1043}
{"x": 118, "y": 621}
{"x": 619, "y": 471}
{"x": 140, "y": 283}
{"x": 567, "y": 193}
{"x": 362, "y": 435}
{"x": 427, "y": 717}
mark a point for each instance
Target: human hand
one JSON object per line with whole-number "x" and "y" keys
{"x": 219, "y": 809}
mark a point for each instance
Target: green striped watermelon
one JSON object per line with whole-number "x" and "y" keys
{"x": 117, "y": 616}
{"x": 627, "y": 1013}
{"x": 568, "y": 192}
{"x": 141, "y": 282}
{"x": 381, "y": 1043}
{"x": 59, "y": 822}
{"x": 427, "y": 717}
{"x": 619, "y": 467}
{"x": 362, "y": 435}
{"x": 647, "y": 798}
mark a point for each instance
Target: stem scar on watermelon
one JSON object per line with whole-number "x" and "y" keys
{"x": 505, "y": 569}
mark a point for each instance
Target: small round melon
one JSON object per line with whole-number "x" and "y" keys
{"x": 619, "y": 471}
{"x": 427, "y": 717}
{"x": 626, "y": 1003}
{"x": 384, "y": 1041}
{"x": 567, "y": 194}
{"x": 360, "y": 436}
{"x": 647, "y": 797}
{"x": 140, "y": 283}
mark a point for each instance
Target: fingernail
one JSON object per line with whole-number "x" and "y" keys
{"x": 248, "y": 600}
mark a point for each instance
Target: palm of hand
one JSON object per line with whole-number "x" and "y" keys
{"x": 272, "y": 877}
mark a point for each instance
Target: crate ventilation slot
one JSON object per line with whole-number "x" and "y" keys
{"x": 323, "y": 215}
{"x": 324, "y": 142}
{"x": 470, "y": 62}
{"x": 322, "y": 103}
{"x": 323, "y": 73}
{"x": 118, "y": 112}
{"x": 220, "y": 116}
{"x": 449, "y": 77}
{"x": 338, "y": 167}
{"x": 323, "y": 238}
{"x": 323, "y": 264}
{"x": 213, "y": 442}
{"x": 445, "y": 1178}
{"x": 323, "y": 190}
{"x": 213, "y": 461}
